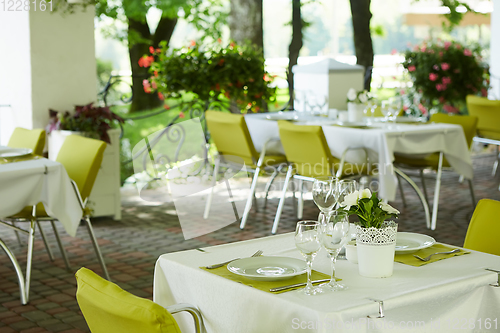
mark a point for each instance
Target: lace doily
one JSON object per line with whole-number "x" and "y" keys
{"x": 377, "y": 236}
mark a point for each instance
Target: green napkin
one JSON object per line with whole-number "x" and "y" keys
{"x": 29, "y": 157}
{"x": 266, "y": 285}
{"x": 409, "y": 259}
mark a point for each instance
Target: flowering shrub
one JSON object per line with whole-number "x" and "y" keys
{"x": 371, "y": 211}
{"x": 87, "y": 118}
{"x": 445, "y": 72}
{"x": 234, "y": 72}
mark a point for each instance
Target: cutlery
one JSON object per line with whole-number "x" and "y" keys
{"x": 429, "y": 257}
{"x": 256, "y": 254}
{"x": 296, "y": 285}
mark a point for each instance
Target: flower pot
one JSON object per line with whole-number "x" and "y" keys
{"x": 351, "y": 252}
{"x": 375, "y": 249}
{"x": 355, "y": 111}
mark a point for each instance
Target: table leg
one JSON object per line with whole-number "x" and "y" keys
{"x": 419, "y": 193}
{"x": 436, "y": 192}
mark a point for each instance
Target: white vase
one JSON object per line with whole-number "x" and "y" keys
{"x": 355, "y": 111}
{"x": 375, "y": 249}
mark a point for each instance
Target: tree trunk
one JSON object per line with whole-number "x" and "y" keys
{"x": 141, "y": 100}
{"x": 245, "y": 22}
{"x": 295, "y": 45}
{"x": 361, "y": 16}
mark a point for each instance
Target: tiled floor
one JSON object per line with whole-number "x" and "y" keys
{"x": 151, "y": 228}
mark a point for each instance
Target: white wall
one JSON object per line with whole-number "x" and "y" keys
{"x": 495, "y": 51}
{"x": 47, "y": 60}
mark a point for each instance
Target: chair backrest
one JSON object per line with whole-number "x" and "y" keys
{"x": 82, "y": 158}
{"x": 230, "y": 134}
{"x": 483, "y": 233}
{"x": 306, "y": 148}
{"x": 107, "y": 308}
{"x": 468, "y": 123}
{"x": 24, "y": 138}
{"x": 488, "y": 113}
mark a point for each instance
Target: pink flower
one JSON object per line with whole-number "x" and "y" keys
{"x": 146, "y": 85}
{"x": 411, "y": 68}
{"x": 405, "y": 108}
{"x": 422, "y": 108}
{"x": 424, "y": 48}
{"x": 402, "y": 92}
{"x": 435, "y": 67}
{"x": 151, "y": 50}
{"x": 394, "y": 51}
{"x": 160, "y": 96}
{"x": 440, "y": 87}
{"x": 446, "y": 80}
{"x": 441, "y": 53}
{"x": 445, "y": 66}
{"x": 450, "y": 108}
{"x": 447, "y": 45}
{"x": 458, "y": 46}
{"x": 145, "y": 61}
{"x": 153, "y": 84}
{"x": 467, "y": 52}
{"x": 181, "y": 115}
{"x": 433, "y": 76}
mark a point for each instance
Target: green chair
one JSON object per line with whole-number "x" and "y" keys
{"x": 234, "y": 145}
{"x": 81, "y": 157}
{"x": 109, "y": 309}
{"x": 309, "y": 156}
{"x": 488, "y": 126}
{"x": 24, "y": 138}
{"x": 483, "y": 233}
{"x": 437, "y": 161}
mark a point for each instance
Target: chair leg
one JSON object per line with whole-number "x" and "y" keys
{"x": 29, "y": 259}
{"x": 419, "y": 193}
{"x": 19, "y": 272}
{"x": 472, "y": 195}
{"x": 300, "y": 206}
{"x": 282, "y": 200}
{"x": 214, "y": 180}
{"x": 422, "y": 178}
{"x": 61, "y": 247}
{"x": 495, "y": 165}
{"x": 47, "y": 247}
{"x": 235, "y": 210}
{"x": 96, "y": 248}
{"x": 270, "y": 183}
{"x": 400, "y": 185}
{"x": 17, "y": 233}
{"x": 248, "y": 205}
{"x": 436, "y": 192}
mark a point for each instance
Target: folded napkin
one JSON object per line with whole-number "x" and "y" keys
{"x": 266, "y": 285}
{"x": 19, "y": 159}
{"x": 409, "y": 259}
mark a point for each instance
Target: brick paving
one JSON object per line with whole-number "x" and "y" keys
{"x": 149, "y": 229}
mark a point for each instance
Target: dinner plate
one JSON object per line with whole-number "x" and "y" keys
{"x": 410, "y": 120}
{"x": 268, "y": 268}
{"x": 409, "y": 242}
{"x": 281, "y": 116}
{"x": 15, "y": 152}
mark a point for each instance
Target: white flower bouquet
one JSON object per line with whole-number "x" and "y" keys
{"x": 371, "y": 211}
{"x": 359, "y": 97}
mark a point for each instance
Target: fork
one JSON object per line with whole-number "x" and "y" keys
{"x": 429, "y": 257}
{"x": 256, "y": 254}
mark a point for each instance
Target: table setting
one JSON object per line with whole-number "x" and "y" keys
{"x": 298, "y": 277}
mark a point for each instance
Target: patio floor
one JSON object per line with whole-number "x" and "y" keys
{"x": 149, "y": 229}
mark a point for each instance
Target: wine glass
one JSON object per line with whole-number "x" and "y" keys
{"x": 334, "y": 235}
{"x": 307, "y": 240}
{"x": 345, "y": 187}
{"x": 387, "y": 110}
{"x": 324, "y": 191}
{"x": 396, "y": 106}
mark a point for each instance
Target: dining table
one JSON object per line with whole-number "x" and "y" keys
{"x": 28, "y": 180}
{"x": 381, "y": 140}
{"x": 457, "y": 293}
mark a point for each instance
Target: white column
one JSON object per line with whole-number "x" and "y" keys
{"x": 495, "y": 51}
{"x": 47, "y": 61}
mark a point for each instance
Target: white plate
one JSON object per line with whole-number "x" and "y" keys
{"x": 281, "y": 116}
{"x": 268, "y": 268}
{"x": 15, "y": 152}
{"x": 410, "y": 120}
{"x": 409, "y": 242}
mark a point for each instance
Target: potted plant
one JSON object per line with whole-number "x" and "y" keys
{"x": 375, "y": 233}
{"x": 356, "y": 104}
{"x": 443, "y": 73}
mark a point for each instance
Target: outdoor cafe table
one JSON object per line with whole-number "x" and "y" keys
{"x": 449, "y": 295}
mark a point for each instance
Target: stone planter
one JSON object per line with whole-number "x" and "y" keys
{"x": 375, "y": 250}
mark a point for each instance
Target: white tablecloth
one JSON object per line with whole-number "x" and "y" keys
{"x": 382, "y": 140}
{"x": 25, "y": 183}
{"x": 443, "y": 293}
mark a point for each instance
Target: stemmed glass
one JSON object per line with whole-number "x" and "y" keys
{"x": 345, "y": 187}
{"x": 325, "y": 195}
{"x": 387, "y": 110}
{"x": 307, "y": 240}
{"x": 334, "y": 235}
